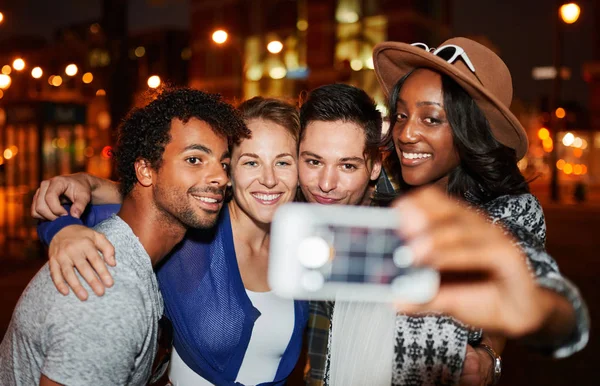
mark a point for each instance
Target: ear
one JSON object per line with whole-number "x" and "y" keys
{"x": 144, "y": 172}
{"x": 376, "y": 169}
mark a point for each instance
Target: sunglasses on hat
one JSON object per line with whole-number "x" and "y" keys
{"x": 449, "y": 53}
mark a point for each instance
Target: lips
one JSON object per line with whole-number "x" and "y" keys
{"x": 210, "y": 202}
{"x": 267, "y": 198}
{"x": 414, "y": 158}
{"x": 325, "y": 200}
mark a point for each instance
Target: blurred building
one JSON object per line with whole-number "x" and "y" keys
{"x": 54, "y": 108}
{"x": 319, "y": 42}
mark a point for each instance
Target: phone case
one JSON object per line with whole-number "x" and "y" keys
{"x": 336, "y": 252}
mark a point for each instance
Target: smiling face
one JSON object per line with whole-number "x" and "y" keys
{"x": 191, "y": 180}
{"x": 333, "y": 167}
{"x": 264, "y": 170}
{"x": 422, "y": 134}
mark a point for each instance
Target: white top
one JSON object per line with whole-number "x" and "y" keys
{"x": 270, "y": 337}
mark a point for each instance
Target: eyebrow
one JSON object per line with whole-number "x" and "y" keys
{"x": 353, "y": 159}
{"x": 254, "y": 155}
{"x": 423, "y": 103}
{"x": 206, "y": 150}
{"x": 345, "y": 159}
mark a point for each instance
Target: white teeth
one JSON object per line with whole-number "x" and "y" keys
{"x": 416, "y": 155}
{"x": 207, "y": 199}
{"x": 266, "y": 197}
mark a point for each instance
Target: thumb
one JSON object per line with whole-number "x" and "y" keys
{"x": 78, "y": 207}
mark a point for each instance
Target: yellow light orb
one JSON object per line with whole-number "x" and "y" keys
{"x": 87, "y": 78}
{"x": 577, "y": 152}
{"x": 369, "y": 63}
{"x": 548, "y": 145}
{"x": 5, "y": 81}
{"x": 14, "y": 150}
{"x": 154, "y": 81}
{"x": 356, "y": 64}
{"x": 560, "y": 164}
{"x": 18, "y": 64}
{"x": 1, "y": 94}
{"x": 569, "y": 13}
{"x": 71, "y": 70}
{"x": 1, "y": 17}
{"x": 568, "y": 139}
{"x": 57, "y": 80}
{"x": 275, "y": 47}
{"x": 543, "y": 133}
{"x": 37, "y": 72}
{"x": 577, "y": 169}
{"x": 583, "y": 169}
{"x": 568, "y": 169}
{"x": 219, "y": 36}
{"x": 302, "y": 25}
{"x": 140, "y": 51}
{"x": 6, "y": 69}
{"x": 8, "y": 154}
{"x": 278, "y": 72}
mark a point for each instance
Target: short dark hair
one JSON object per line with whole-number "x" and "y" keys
{"x": 146, "y": 131}
{"x": 274, "y": 110}
{"x": 342, "y": 102}
{"x": 487, "y": 169}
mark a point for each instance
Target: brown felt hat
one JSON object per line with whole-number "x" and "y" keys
{"x": 490, "y": 85}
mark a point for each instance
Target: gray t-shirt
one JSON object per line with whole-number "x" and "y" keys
{"x": 107, "y": 340}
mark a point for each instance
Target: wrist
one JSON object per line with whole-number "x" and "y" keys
{"x": 495, "y": 369}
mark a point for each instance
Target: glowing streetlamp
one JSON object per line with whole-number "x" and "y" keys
{"x": 275, "y": 47}
{"x": 37, "y": 72}
{"x": 18, "y": 64}
{"x": 71, "y": 70}
{"x": 569, "y": 13}
{"x": 5, "y": 81}
{"x": 154, "y": 81}
{"x": 219, "y": 36}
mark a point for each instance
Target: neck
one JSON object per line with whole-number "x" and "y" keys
{"x": 250, "y": 232}
{"x": 158, "y": 232}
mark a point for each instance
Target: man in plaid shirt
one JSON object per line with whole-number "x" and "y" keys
{"x": 339, "y": 163}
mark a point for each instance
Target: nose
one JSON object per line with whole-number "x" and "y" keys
{"x": 267, "y": 177}
{"x": 407, "y": 132}
{"x": 328, "y": 179}
{"x": 218, "y": 176}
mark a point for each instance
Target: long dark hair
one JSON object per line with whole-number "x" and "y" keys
{"x": 487, "y": 169}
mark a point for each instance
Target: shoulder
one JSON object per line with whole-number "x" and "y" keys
{"x": 513, "y": 206}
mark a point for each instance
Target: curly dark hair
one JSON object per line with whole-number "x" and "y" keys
{"x": 146, "y": 131}
{"x": 487, "y": 169}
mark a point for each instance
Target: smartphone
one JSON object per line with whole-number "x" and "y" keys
{"x": 337, "y": 252}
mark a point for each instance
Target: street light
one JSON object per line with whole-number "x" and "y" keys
{"x": 219, "y": 36}
{"x": 71, "y": 69}
{"x": 154, "y": 81}
{"x": 37, "y": 72}
{"x": 569, "y": 13}
{"x": 18, "y": 64}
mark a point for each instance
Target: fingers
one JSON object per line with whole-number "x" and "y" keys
{"x": 80, "y": 196}
{"x": 107, "y": 250}
{"x": 57, "y": 277}
{"x": 471, "y": 373}
{"x": 56, "y": 187}
{"x": 76, "y": 248}
{"x": 73, "y": 282}
{"x": 40, "y": 206}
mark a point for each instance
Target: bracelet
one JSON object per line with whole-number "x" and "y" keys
{"x": 496, "y": 361}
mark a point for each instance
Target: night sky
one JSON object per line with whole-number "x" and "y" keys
{"x": 521, "y": 29}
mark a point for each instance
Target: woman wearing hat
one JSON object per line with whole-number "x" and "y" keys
{"x": 450, "y": 126}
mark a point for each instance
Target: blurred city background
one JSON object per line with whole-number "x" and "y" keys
{"x": 71, "y": 69}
